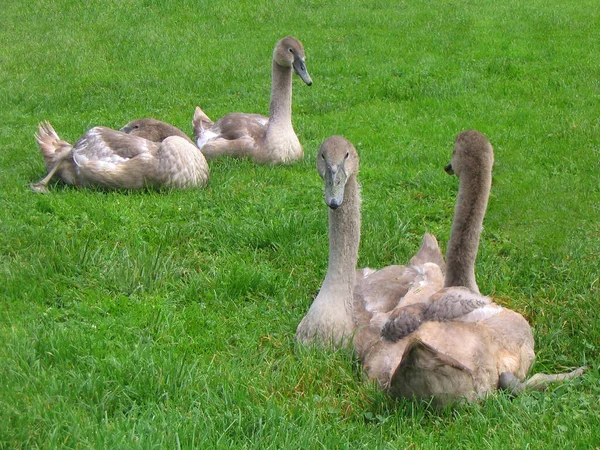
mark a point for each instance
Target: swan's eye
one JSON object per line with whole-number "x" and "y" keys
{"x": 135, "y": 127}
{"x": 291, "y": 50}
{"x": 347, "y": 155}
{"x": 323, "y": 156}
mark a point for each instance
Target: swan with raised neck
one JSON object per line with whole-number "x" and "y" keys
{"x": 329, "y": 319}
{"x": 466, "y": 346}
{"x": 263, "y": 139}
{"x": 335, "y": 313}
{"x": 472, "y": 162}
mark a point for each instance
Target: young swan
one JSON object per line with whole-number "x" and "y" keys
{"x": 147, "y": 153}
{"x": 461, "y": 345}
{"x": 333, "y": 316}
{"x": 329, "y": 319}
{"x": 264, "y": 139}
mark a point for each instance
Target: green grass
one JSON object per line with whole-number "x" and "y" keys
{"x": 166, "y": 319}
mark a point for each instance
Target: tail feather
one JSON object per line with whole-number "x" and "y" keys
{"x": 48, "y": 140}
{"x": 200, "y": 122}
{"x": 429, "y": 252}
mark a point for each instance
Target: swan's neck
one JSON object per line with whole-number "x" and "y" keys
{"x": 280, "y": 109}
{"x": 344, "y": 239}
{"x": 473, "y": 194}
{"x": 330, "y": 317}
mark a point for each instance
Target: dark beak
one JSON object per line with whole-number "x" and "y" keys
{"x": 300, "y": 69}
{"x": 449, "y": 170}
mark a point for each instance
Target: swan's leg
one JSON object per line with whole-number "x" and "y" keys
{"x": 42, "y": 185}
{"x": 538, "y": 382}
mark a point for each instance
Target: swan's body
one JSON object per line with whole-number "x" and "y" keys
{"x": 264, "y": 139}
{"x": 148, "y": 153}
{"x": 457, "y": 344}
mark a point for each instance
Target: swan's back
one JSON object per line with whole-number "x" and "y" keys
{"x": 111, "y": 146}
{"x": 515, "y": 342}
{"x": 462, "y": 359}
{"x": 239, "y": 125}
{"x": 113, "y": 159}
{"x": 446, "y": 362}
{"x": 381, "y": 290}
{"x": 379, "y": 293}
{"x": 180, "y": 164}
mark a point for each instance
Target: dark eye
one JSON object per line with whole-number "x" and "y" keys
{"x": 323, "y": 156}
{"x": 347, "y": 155}
{"x": 291, "y": 50}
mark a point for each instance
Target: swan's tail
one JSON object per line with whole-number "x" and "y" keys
{"x": 426, "y": 373}
{"x": 200, "y": 123}
{"x": 429, "y": 252}
{"x": 49, "y": 142}
{"x": 54, "y": 150}
{"x": 538, "y": 382}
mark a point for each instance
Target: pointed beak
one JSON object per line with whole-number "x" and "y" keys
{"x": 300, "y": 69}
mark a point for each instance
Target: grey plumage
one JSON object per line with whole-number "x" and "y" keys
{"x": 448, "y": 304}
{"x": 263, "y": 139}
{"x": 149, "y": 154}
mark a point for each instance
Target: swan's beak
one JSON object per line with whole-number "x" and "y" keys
{"x": 335, "y": 183}
{"x": 300, "y": 69}
{"x": 449, "y": 170}
{"x": 127, "y": 128}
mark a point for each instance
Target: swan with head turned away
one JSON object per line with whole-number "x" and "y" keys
{"x": 444, "y": 343}
{"x": 144, "y": 153}
{"x": 263, "y": 139}
{"x": 455, "y": 344}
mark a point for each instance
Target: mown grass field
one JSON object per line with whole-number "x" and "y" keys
{"x": 166, "y": 319}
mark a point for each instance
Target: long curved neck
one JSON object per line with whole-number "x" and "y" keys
{"x": 280, "y": 108}
{"x": 344, "y": 240}
{"x": 473, "y": 194}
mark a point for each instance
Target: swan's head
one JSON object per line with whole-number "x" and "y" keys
{"x": 289, "y": 52}
{"x": 473, "y": 154}
{"x": 337, "y": 161}
{"x": 152, "y": 129}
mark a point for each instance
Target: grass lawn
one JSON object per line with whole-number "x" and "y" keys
{"x": 167, "y": 319}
